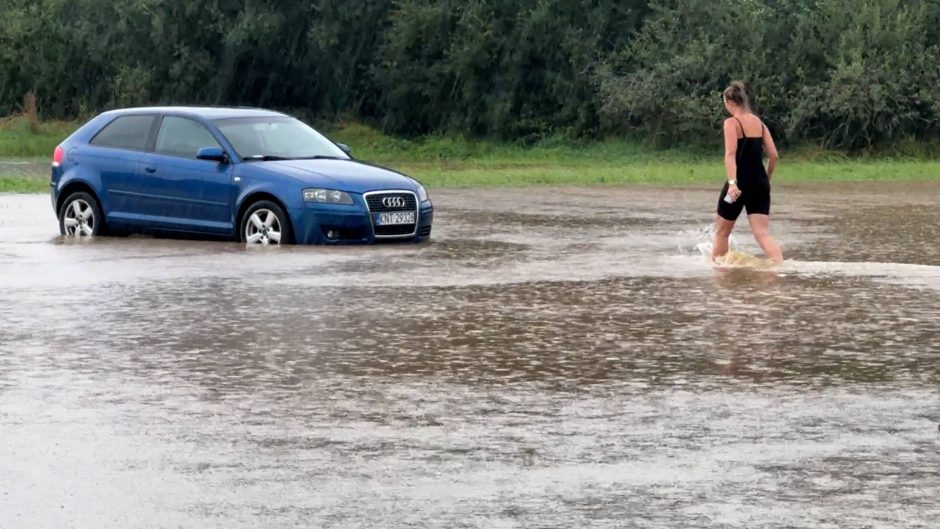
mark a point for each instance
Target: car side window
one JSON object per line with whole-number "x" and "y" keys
{"x": 183, "y": 138}
{"x": 125, "y": 132}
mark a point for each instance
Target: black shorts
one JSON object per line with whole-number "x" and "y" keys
{"x": 754, "y": 198}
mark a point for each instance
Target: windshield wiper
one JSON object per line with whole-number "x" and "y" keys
{"x": 320, "y": 157}
{"x": 265, "y": 158}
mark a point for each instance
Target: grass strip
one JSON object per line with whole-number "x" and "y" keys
{"x": 456, "y": 162}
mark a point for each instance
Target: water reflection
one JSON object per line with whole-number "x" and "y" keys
{"x": 556, "y": 368}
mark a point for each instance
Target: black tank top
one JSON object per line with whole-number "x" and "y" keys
{"x": 750, "y": 159}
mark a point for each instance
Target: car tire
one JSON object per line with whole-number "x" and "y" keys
{"x": 265, "y": 223}
{"x": 81, "y": 216}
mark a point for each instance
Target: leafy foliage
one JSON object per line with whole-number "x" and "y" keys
{"x": 840, "y": 73}
{"x": 846, "y": 73}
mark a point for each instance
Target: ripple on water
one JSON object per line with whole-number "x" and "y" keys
{"x": 564, "y": 366}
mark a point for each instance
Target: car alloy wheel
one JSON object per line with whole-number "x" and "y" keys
{"x": 80, "y": 216}
{"x": 263, "y": 227}
{"x": 264, "y": 223}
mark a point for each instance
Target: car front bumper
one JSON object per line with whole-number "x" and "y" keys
{"x": 342, "y": 224}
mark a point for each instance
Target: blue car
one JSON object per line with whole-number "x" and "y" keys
{"x": 258, "y": 176}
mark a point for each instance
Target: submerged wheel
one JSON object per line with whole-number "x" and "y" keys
{"x": 80, "y": 216}
{"x": 265, "y": 223}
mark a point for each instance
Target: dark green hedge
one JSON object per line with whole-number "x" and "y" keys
{"x": 842, "y": 73}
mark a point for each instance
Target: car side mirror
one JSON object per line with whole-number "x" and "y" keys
{"x": 345, "y": 148}
{"x": 212, "y": 154}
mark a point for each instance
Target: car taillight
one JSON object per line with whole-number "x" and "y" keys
{"x": 57, "y": 156}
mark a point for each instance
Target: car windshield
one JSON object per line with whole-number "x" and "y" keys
{"x": 276, "y": 138}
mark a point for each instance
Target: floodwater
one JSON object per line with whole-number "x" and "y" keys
{"x": 554, "y": 358}
{"x": 24, "y": 167}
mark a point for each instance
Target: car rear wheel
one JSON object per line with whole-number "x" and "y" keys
{"x": 80, "y": 216}
{"x": 265, "y": 223}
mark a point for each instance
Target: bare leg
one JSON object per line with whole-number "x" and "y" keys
{"x": 723, "y": 229}
{"x": 760, "y": 227}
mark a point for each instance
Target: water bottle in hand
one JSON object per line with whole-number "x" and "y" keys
{"x": 728, "y": 198}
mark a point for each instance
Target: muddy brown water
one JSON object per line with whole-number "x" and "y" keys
{"x": 556, "y": 357}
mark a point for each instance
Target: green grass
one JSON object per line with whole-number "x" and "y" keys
{"x": 662, "y": 173}
{"x": 453, "y": 161}
{"x": 448, "y": 161}
{"x": 23, "y": 184}
{"x": 20, "y": 138}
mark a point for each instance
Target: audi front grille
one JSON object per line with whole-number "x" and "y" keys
{"x": 404, "y": 202}
{"x": 391, "y": 202}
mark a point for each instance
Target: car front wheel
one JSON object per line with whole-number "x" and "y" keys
{"x": 265, "y": 223}
{"x": 80, "y": 216}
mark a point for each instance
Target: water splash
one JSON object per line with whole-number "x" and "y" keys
{"x": 700, "y": 241}
{"x": 736, "y": 259}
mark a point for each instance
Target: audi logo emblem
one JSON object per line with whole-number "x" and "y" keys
{"x": 393, "y": 202}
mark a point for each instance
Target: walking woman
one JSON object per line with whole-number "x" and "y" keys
{"x": 748, "y": 185}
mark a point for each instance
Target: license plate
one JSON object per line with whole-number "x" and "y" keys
{"x": 401, "y": 217}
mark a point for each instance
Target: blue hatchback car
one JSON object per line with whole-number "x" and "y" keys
{"x": 259, "y": 176}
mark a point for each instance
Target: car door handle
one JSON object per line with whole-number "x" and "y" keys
{"x": 150, "y": 170}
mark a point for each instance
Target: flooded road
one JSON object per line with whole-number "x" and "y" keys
{"x": 554, "y": 358}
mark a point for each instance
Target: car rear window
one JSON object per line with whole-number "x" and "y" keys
{"x": 125, "y": 132}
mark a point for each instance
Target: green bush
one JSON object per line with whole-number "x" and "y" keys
{"x": 847, "y": 74}
{"x": 512, "y": 70}
{"x": 844, "y": 73}
{"x": 882, "y": 77}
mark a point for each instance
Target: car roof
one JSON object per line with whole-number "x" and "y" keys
{"x": 201, "y": 112}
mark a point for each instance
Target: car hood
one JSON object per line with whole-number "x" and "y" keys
{"x": 344, "y": 175}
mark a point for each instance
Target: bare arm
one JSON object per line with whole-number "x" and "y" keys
{"x": 731, "y": 150}
{"x": 771, "y": 149}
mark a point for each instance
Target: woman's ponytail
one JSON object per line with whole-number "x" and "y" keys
{"x": 737, "y": 94}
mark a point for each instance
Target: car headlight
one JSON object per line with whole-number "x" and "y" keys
{"x": 422, "y": 194}
{"x": 327, "y": 196}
